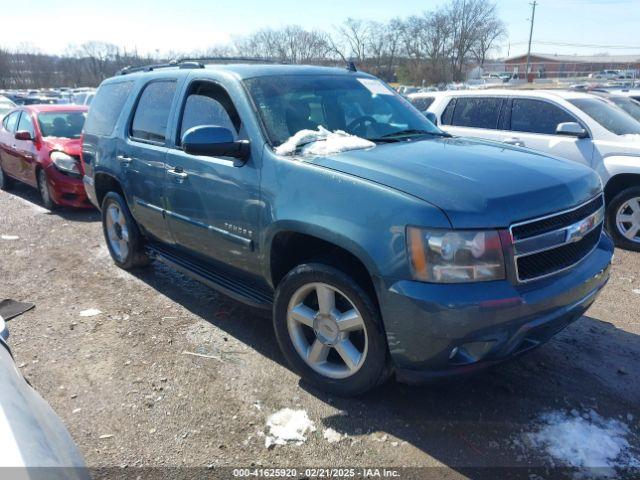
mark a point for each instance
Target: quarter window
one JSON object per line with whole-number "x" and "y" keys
{"x": 106, "y": 108}
{"x": 26, "y": 125}
{"x": 537, "y": 116}
{"x": 477, "y": 112}
{"x": 152, "y": 114}
{"x": 422, "y": 103}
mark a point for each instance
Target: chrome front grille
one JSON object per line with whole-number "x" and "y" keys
{"x": 551, "y": 244}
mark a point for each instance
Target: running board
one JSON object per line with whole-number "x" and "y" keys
{"x": 231, "y": 286}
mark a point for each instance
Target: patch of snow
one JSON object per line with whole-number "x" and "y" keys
{"x": 288, "y": 426}
{"x": 322, "y": 142}
{"x": 331, "y": 436}
{"x": 10, "y": 237}
{"x": 583, "y": 440}
{"x": 91, "y": 312}
{"x": 636, "y": 291}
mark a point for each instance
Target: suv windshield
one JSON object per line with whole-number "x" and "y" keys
{"x": 61, "y": 124}
{"x": 364, "y": 107}
{"x": 609, "y": 116}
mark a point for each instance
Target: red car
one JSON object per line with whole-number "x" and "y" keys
{"x": 40, "y": 146}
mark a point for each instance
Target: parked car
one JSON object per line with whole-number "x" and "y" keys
{"x": 83, "y": 98}
{"x": 633, "y": 93}
{"x": 35, "y": 442}
{"x": 628, "y": 104}
{"x": 607, "y": 74}
{"x": 412, "y": 252}
{"x": 6, "y": 106}
{"x": 573, "y": 125}
{"x": 40, "y": 146}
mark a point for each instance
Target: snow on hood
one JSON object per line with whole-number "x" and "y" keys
{"x": 322, "y": 142}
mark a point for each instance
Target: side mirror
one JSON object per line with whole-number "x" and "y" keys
{"x": 431, "y": 117}
{"x": 571, "y": 129}
{"x": 23, "y": 135}
{"x": 212, "y": 141}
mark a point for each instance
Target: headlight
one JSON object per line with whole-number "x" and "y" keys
{"x": 65, "y": 163}
{"x": 455, "y": 256}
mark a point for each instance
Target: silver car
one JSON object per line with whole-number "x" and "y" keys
{"x": 33, "y": 439}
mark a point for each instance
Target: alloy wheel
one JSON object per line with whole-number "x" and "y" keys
{"x": 327, "y": 330}
{"x": 628, "y": 219}
{"x": 117, "y": 231}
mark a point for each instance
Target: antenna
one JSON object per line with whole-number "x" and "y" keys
{"x": 352, "y": 67}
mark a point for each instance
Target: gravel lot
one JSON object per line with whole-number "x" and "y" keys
{"x": 131, "y": 396}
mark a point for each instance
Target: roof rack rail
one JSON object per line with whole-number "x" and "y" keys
{"x": 193, "y": 62}
{"x": 228, "y": 59}
{"x": 155, "y": 66}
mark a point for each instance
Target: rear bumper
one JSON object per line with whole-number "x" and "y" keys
{"x": 90, "y": 189}
{"x": 436, "y": 331}
{"x": 65, "y": 190}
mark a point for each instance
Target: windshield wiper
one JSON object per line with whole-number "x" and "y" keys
{"x": 400, "y": 134}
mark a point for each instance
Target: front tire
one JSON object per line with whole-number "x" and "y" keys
{"x": 125, "y": 243}
{"x": 6, "y": 182}
{"x": 623, "y": 219}
{"x": 45, "y": 192}
{"x": 330, "y": 330}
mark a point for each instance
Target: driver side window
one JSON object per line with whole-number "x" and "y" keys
{"x": 209, "y": 104}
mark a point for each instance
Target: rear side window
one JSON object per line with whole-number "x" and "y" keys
{"x": 537, "y": 116}
{"x": 477, "y": 112}
{"x": 152, "y": 113}
{"x": 422, "y": 103}
{"x": 106, "y": 108}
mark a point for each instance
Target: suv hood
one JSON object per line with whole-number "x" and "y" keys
{"x": 478, "y": 184}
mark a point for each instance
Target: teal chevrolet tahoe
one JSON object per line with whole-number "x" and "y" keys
{"x": 382, "y": 245}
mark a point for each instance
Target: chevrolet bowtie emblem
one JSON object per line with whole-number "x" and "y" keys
{"x": 578, "y": 230}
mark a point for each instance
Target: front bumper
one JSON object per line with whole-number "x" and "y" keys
{"x": 438, "y": 330}
{"x": 65, "y": 190}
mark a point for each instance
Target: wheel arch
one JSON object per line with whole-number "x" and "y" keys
{"x": 620, "y": 182}
{"x": 105, "y": 183}
{"x": 293, "y": 243}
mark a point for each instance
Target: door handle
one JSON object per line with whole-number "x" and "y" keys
{"x": 126, "y": 160}
{"x": 178, "y": 172}
{"x": 514, "y": 141}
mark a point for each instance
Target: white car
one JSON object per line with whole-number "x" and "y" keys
{"x": 6, "y": 105}
{"x": 573, "y": 125}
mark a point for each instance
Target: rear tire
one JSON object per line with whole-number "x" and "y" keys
{"x": 330, "y": 330}
{"x": 623, "y": 219}
{"x": 45, "y": 192}
{"x": 6, "y": 182}
{"x": 121, "y": 232}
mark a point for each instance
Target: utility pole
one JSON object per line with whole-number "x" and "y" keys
{"x": 533, "y": 16}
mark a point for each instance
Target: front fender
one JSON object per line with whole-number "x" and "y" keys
{"x": 618, "y": 164}
{"x": 365, "y": 218}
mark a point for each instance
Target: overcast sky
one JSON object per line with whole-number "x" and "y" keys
{"x": 188, "y": 25}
